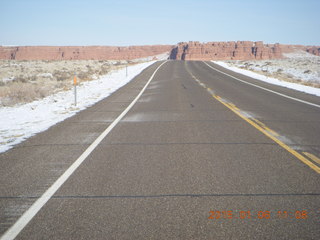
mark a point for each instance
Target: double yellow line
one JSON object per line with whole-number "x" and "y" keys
{"x": 264, "y": 129}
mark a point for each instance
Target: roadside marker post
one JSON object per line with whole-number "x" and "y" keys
{"x": 75, "y": 89}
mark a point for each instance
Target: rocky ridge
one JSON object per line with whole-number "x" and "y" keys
{"x": 240, "y": 50}
{"x": 81, "y": 53}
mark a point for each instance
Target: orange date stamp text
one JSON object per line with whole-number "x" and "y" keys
{"x": 265, "y": 214}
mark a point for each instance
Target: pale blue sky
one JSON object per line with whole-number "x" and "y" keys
{"x": 140, "y": 22}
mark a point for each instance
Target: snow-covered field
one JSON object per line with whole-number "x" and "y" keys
{"x": 299, "y": 70}
{"x": 22, "y": 121}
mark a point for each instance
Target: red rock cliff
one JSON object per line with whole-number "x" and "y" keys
{"x": 314, "y": 50}
{"x": 81, "y": 53}
{"x": 241, "y": 50}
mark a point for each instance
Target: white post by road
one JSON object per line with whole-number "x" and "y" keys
{"x": 75, "y": 89}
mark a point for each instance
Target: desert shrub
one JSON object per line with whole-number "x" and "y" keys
{"x": 103, "y": 70}
{"x": 18, "y": 92}
{"x": 62, "y": 75}
{"x": 84, "y": 75}
{"x": 25, "y": 79}
{"x": 19, "y": 78}
{"x": 290, "y": 75}
{"x": 61, "y": 86}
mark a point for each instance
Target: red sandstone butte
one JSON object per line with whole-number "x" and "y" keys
{"x": 314, "y": 50}
{"x": 240, "y": 50}
{"x": 81, "y": 53}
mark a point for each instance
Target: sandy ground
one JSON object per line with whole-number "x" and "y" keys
{"x": 298, "y": 67}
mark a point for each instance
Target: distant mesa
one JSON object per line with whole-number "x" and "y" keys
{"x": 81, "y": 52}
{"x": 240, "y": 50}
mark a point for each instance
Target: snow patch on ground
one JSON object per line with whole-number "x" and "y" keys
{"x": 7, "y": 79}
{"x": 162, "y": 56}
{"x": 235, "y": 66}
{"x": 45, "y": 75}
{"x": 300, "y": 54}
{"x": 23, "y": 121}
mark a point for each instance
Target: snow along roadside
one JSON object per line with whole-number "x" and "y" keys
{"x": 23, "y": 121}
{"x": 295, "y": 86}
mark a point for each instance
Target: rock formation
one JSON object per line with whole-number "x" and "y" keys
{"x": 81, "y": 53}
{"x": 241, "y": 50}
{"x": 314, "y": 50}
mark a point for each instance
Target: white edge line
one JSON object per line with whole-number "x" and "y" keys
{"x": 15, "y": 229}
{"x": 266, "y": 89}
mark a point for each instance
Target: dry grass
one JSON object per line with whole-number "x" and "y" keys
{"x": 19, "y": 92}
{"x": 26, "y": 81}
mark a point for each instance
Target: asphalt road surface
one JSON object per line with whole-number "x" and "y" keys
{"x": 200, "y": 155}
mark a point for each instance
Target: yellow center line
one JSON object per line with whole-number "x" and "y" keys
{"x": 265, "y": 127}
{"x": 312, "y": 157}
{"x": 234, "y": 106}
{"x": 260, "y": 123}
{"x": 265, "y": 130}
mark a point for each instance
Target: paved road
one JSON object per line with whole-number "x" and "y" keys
{"x": 196, "y": 141}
